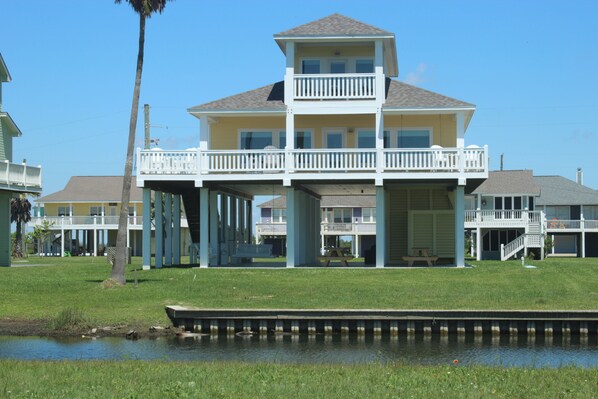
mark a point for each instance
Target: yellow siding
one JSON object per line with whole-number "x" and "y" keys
{"x": 225, "y": 132}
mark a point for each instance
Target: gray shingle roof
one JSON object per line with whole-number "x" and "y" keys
{"x": 399, "y": 95}
{"x": 329, "y": 201}
{"x": 509, "y": 182}
{"x": 93, "y": 189}
{"x": 334, "y": 25}
{"x": 403, "y": 95}
{"x": 558, "y": 190}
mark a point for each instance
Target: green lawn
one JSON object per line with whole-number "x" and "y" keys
{"x": 155, "y": 379}
{"x": 41, "y": 292}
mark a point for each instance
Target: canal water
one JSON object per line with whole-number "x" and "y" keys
{"x": 502, "y": 351}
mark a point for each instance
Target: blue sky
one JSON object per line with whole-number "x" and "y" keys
{"x": 529, "y": 66}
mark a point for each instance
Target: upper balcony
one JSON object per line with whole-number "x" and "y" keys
{"x": 326, "y": 228}
{"x": 91, "y": 222}
{"x": 20, "y": 177}
{"x": 346, "y": 86}
{"x": 317, "y": 164}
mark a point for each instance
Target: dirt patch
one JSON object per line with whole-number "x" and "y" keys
{"x": 23, "y": 327}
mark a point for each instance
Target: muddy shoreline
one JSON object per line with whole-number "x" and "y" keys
{"x": 40, "y": 328}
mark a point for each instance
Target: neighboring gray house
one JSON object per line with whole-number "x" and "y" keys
{"x": 351, "y": 216}
{"x": 571, "y": 211}
{"x": 513, "y": 211}
{"x": 500, "y": 215}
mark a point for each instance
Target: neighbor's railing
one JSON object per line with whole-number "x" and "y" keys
{"x": 506, "y": 218}
{"x": 20, "y": 176}
{"x": 443, "y": 160}
{"x": 335, "y": 86}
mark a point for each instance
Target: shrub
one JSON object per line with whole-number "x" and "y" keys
{"x": 70, "y": 319}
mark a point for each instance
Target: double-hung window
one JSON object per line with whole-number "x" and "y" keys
{"x": 368, "y": 215}
{"x": 279, "y": 215}
{"x": 64, "y": 211}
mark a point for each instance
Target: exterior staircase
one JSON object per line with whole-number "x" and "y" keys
{"x": 533, "y": 238}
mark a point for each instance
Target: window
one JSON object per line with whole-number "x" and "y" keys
{"x": 413, "y": 139}
{"x": 327, "y": 215}
{"x": 131, "y": 211}
{"x": 407, "y": 138}
{"x": 342, "y": 215}
{"x": 368, "y": 215}
{"x": 64, "y": 211}
{"x": 590, "y": 212}
{"x": 96, "y": 210}
{"x": 279, "y": 215}
{"x": 366, "y": 139}
{"x": 255, "y": 140}
{"x": 311, "y": 66}
{"x": 364, "y": 66}
{"x": 558, "y": 212}
{"x": 302, "y": 139}
{"x": 338, "y": 66}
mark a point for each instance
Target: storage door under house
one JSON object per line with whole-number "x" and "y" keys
{"x": 421, "y": 217}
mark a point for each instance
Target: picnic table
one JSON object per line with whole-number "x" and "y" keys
{"x": 335, "y": 254}
{"x": 421, "y": 254}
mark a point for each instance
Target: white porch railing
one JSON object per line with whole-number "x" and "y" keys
{"x": 330, "y": 228}
{"x": 344, "y": 86}
{"x": 20, "y": 176}
{"x": 432, "y": 160}
{"x": 578, "y": 225}
{"x": 58, "y": 221}
{"x": 501, "y": 218}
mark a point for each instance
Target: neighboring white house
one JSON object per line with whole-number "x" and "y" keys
{"x": 15, "y": 178}
{"x": 338, "y": 124}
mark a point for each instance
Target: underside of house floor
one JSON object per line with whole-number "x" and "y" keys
{"x": 419, "y": 223}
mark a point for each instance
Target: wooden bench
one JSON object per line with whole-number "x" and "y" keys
{"x": 253, "y": 251}
{"x": 428, "y": 259}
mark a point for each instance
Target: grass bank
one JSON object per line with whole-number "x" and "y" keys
{"x": 134, "y": 379}
{"x": 41, "y": 292}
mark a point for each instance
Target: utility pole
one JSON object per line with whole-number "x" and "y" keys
{"x": 146, "y": 113}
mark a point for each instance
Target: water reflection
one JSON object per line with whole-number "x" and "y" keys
{"x": 536, "y": 351}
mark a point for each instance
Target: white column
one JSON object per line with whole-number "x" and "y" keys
{"x": 62, "y": 238}
{"x": 167, "y": 229}
{"x": 204, "y": 235}
{"x": 224, "y": 204}
{"x": 379, "y": 144}
{"x": 233, "y": 227}
{"x": 460, "y": 226}
{"x": 242, "y": 221}
{"x": 478, "y": 238}
{"x": 176, "y": 229}
{"x": 159, "y": 226}
{"x": 95, "y": 240}
{"x": 380, "y": 226}
{"x": 289, "y": 74}
{"x": 214, "y": 241}
{"x": 291, "y": 227}
{"x": 379, "y": 71}
{"x": 460, "y": 119}
{"x": 146, "y": 244}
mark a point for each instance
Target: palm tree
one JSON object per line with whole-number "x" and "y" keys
{"x": 145, "y": 9}
{"x": 20, "y": 212}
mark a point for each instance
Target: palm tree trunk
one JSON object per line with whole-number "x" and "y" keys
{"x": 118, "y": 268}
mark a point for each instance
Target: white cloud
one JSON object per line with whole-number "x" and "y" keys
{"x": 418, "y": 76}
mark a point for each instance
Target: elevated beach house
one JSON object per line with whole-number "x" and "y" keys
{"x": 337, "y": 124}
{"x": 83, "y": 217}
{"x": 15, "y": 178}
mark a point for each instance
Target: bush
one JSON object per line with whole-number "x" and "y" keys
{"x": 70, "y": 319}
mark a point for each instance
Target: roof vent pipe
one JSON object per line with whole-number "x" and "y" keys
{"x": 579, "y": 176}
